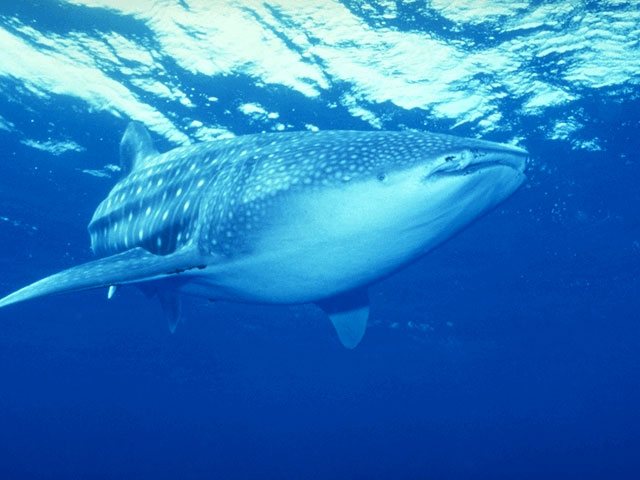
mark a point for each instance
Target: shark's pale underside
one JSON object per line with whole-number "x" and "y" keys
{"x": 285, "y": 218}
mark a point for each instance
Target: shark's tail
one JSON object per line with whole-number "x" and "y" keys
{"x": 135, "y": 265}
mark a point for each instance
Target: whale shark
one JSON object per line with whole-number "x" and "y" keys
{"x": 284, "y": 218}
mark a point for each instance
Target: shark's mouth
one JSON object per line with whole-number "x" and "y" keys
{"x": 463, "y": 165}
{"x": 480, "y": 167}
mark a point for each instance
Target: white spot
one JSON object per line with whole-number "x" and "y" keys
{"x": 179, "y": 237}
{"x": 148, "y": 210}
{"x": 193, "y": 165}
{"x": 140, "y": 234}
{"x": 130, "y": 216}
{"x": 139, "y": 190}
{"x": 200, "y": 183}
{"x": 159, "y": 182}
{"x": 165, "y": 215}
{"x": 186, "y": 205}
{"x": 179, "y": 192}
{"x": 159, "y": 242}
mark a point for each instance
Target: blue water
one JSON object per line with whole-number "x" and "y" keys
{"x": 511, "y": 351}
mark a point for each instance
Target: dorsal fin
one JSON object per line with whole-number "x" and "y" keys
{"x": 135, "y": 146}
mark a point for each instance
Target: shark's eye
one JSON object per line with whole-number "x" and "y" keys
{"x": 382, "y": 177}
{"x": 448, "y": 158}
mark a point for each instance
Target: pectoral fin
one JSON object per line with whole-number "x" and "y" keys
{"x": 132, "y": 266}
{"x": 349, "y": 313}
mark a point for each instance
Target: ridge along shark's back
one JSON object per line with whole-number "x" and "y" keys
{"x": 285, "y": 218}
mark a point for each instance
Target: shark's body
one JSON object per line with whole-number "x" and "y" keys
{"x": 285, "y": 218}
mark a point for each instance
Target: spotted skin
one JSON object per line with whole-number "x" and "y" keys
{"x": 215, "y": 194}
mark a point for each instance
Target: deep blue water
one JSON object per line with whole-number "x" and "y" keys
{"x": 511, "y": 351}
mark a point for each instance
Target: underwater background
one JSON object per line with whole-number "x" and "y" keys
{"x": 511, "y": 351}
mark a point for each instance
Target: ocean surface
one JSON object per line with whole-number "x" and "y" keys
{"x": 512, "y": 351}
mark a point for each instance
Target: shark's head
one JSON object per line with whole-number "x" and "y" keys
{"x": 446, "y": 184}
{"x": 452, "y": 174}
